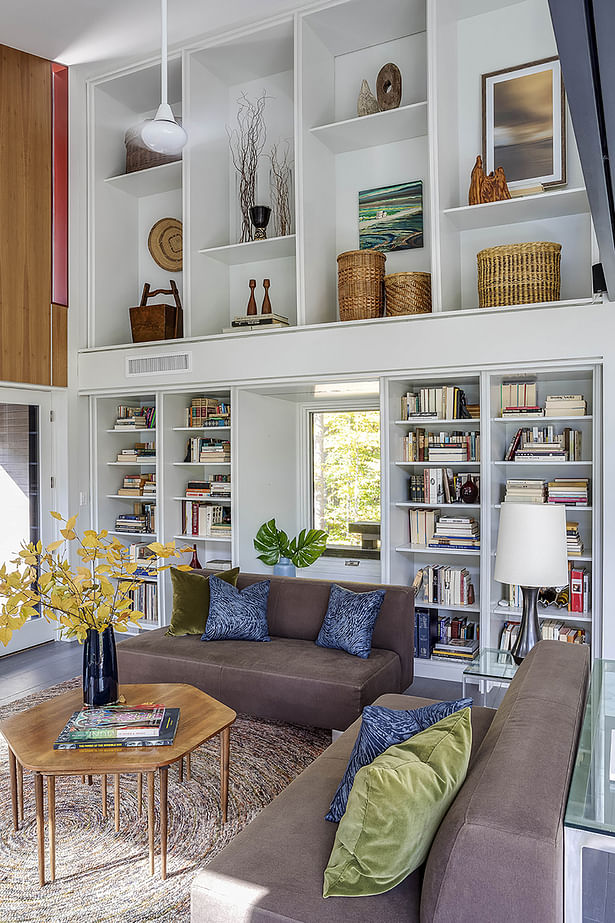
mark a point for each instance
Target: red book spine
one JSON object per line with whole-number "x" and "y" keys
{"x": 576, "y": 589}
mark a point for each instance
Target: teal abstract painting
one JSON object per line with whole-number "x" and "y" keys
{"x": 391, "y": 217}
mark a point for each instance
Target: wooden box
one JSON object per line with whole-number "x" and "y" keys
{"x": 157, "y": 321}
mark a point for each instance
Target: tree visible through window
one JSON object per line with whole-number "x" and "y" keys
{"x": 346, "y": 475}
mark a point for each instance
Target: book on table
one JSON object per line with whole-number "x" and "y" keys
{"x": 119, "y": 726}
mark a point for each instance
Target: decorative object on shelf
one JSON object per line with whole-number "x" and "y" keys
{"x": 259, "y": 216}
{"x": 139, "y": 157}
{"x": 367, "y": 104}
{"x": 157, "y": 321}
{"x": 87, "y": 601}
{"x": 195, "y": 564}
{"x": 165, "y": 243}
{"x": 407, "y": 293}
{"x": 501, "y": 186}
{"x": 246, "y": 144}
{"x": 391, "y": 217}
{"x": 266, "y": 307}
{"x": 252, "y": 308}
{"x": 531, "y": 552}
{"x": 163, "y": 133}
{"x": 524, "y": 123}
{"x": 469, "y": 491}
{"x": 360, "y": 282}
{"x": 280, "y": 183}
{"x": 285, "y": 554}
{"x": 487, "y": 188}
{"x": 519, "y": 274}
{"x": 476, "y": 182}
{"x": 388, "y": 87}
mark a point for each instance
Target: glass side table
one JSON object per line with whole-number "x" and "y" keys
{"x": 490, "y": 667}
{"x": 589, "y": 822}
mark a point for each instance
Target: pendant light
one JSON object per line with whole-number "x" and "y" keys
{"x": 162, "y": 133}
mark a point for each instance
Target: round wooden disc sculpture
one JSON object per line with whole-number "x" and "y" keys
{"x": 388, "y": 87}
{"x": 165, "y": 243}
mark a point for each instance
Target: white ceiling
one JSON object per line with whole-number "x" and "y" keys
{"x": 86, "y": 31}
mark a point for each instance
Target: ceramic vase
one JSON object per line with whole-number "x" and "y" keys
{"x": 100, "y": 686}
{"x": 284, "y": 568}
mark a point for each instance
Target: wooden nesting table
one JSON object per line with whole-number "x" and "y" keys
{"x": 30, "y": 736}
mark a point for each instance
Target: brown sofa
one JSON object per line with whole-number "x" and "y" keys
{"x": 289, "y": 678}
{"x": 497, "y": 856}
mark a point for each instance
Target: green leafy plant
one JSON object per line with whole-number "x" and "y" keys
{"x": 303, "y": 550}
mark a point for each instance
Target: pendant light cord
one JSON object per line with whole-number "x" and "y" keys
{"x": 164, "y": 53}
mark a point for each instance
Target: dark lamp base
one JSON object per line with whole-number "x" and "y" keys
{"x": 529, "y": 630}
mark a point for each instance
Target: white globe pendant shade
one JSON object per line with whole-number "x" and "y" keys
{"x": 162, "y": 133}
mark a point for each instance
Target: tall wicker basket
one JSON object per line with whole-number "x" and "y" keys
{"x": 518, "y": 274}
{"x": 360, "y": 282}
{"x": 408, "y": 293}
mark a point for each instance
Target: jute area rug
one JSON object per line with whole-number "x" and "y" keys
{"x": 102, "y": 875}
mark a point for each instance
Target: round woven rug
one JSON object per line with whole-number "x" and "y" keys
{"x": 102, "y": 875}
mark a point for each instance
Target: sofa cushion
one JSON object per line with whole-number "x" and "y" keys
{"x": 349, "y": 620}
{"x": 272, "y": 871}
{"x": 191, "y": 600}
{"x": 237, "y": 615}
{"x": 395, "y": 807}
{"x": 381, "y": 728}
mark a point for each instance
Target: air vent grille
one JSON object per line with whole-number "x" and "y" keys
{"x": 155, "y": 365}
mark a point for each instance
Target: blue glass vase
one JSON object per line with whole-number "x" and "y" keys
{"x": 100, "y": 686}
{"x": 285, "y": 568}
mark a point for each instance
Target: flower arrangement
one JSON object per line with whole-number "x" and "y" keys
{"x": 96, "y": 594}
{"x": 303, "y": 550}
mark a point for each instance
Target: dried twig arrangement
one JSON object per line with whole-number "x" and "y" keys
{"x": 246, "y": 143}
{"x": 280, "y": 182}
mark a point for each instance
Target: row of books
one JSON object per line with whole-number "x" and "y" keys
{"x": 439, "y": 485}
{"x": 139, "y": 451}
{"x": 536, "y": 442}
{"x": 117, "y": 726}
{"x": 574, "y": 542}
{"x": 576, "y": 597}
{"x": 138, "y": 485}
{"x": 145, "y": 599}
{"x": 518, "y": 396}
{"x": 444, "y": 403}
{"x": 444, "y": 638}
{"x": 135, "y": 417}
{"x": 207, "y": 411}
{"x": 444, "y": 585}
{"x": 142, "y": 519}
{"x": 207, "y": 451}
{"x": 216, "y": 487}
{"x": 440, "y": 447}
{"x": 205, "y": 519}
{"x": 460, "y": 532}
{"x": 569, "y": 491}
{"x": 551, "y": 630}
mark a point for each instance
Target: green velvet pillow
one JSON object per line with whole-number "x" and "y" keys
{"x": 191, "y": 600}
{"x": 395, "y": 807}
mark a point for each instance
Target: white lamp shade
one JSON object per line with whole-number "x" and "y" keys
{"x": 532, "y": 545}
{"x": 163, "y": 134}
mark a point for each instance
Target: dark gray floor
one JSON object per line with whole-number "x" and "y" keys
{"x": 38, "y": 668}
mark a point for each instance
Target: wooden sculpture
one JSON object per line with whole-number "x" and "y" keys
{"x": 367, "y": 104}
{"x": 501, "y": 186}
{"x": 388, "y": 87}
{"x": 487, "y": 189}
{"x": 252, "y": 309}
{"x": 476, "y": 182}
{"x": 266, "y": 308}
{"x": 491, "y": 187}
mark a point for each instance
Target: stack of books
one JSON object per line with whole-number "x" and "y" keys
{"x": 220, "y": 487}
{"x": 460, "y": 532}
{"x": 212, "y": 451}
{"x": 118, "y": 726}
{"x": 449, "y": 451}
{"x": 568, "y": 491}
{"x": 255, "y": 322}
{"x": 565, "y": 405}
{"x": 518, "y": 398}
{"x": 531, "y": 490}
{"x": 422, "y": 445}
{"x": 138, "y": 452}
{"x": 448, "y": 635}
{"x": 207, "y": 411}
{"x": 135, "y": 418}
{"x": 142, "y": 519}
{"x": 539, "y": 451}
{"x": 133, "y": 485}
{"x": 574, "y": 544}
{"x": 455, "y": 649}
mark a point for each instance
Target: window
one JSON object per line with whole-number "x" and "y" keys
{"x": 19, "y": 477}
{"x": 346, "y": 480}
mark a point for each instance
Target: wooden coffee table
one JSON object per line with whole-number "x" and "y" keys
{"x": 30, "y": 736}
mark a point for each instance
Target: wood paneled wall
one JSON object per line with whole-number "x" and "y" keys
{"x": 25, "y": 217}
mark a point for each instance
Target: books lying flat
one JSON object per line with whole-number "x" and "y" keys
{"x": 256, "y": 320}
{"x": 164, "y": 737}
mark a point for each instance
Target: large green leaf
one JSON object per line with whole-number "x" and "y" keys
{"x": 271, "y": 542}
{"x": 307, "y": 547}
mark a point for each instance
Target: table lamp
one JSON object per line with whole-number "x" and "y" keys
{"x": 532, "y": 553}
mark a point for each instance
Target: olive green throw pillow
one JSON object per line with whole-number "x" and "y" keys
{"x": 395, "y": 807}
{"x": 191, "y": 600}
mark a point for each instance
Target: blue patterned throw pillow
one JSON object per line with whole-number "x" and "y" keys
{"x": 237, "y": 615}
{"x": 349, "y": 622}
{"x": 382, "y": 728}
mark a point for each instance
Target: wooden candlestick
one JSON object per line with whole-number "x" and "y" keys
{"x": 252, "y": 309}
{"x": 266, "y": 308}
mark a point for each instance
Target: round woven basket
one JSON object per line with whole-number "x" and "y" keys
{"x": 518, "y": 274}
{"x": 408, "y": 293}
{"x": 360, "y": 282}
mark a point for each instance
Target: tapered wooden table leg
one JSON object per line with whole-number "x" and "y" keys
{"x": 188, "y": 767}
{"x": 13, "y": 774}
{"x": 20, "y": 791}
{"x": 40, "y": 826}
{"x": 150, "y": 819}
{"x": 103, "y": 786}
{"x": 181, "y": 769}
{"x": 83, "y": 780}
{"x": 140, "y": 793}
{"x": 163, "y": 821}
{"x": 90, "y": 780}
{"x": 225, "y": 746}
{"x": 116, "y": 800}
{"x": 51, "y": 813}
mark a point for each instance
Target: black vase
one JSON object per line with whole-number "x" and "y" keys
{"x": 100, "y": 668}
{"x": 259, "y": 215}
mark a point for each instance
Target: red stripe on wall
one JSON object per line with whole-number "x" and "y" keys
{"x": 60, "y": 185}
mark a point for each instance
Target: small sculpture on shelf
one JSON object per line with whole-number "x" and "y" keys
{"x": 252, "y": 309}
{"x": 266, "y": 308}
{"x": 259, "y": 216}
{"x": 501, "y": 186}
{"x": 388, "y": 87}
{"x": 476, "y": 182}
{"x": 367, "y": 103}
{"x": 487, "y": 187}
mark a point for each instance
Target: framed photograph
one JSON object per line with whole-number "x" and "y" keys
{"x": 391, "y": 217}
{"x": 524, "y": 123}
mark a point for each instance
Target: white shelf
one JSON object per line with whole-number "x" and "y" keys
{"x": 542, "y": 462}
{"x": 439, "y": 464}
{"x": 143, "y": 429}
{"x": 423, "y": 549}
{"x": 201, "y": 464}
{"x": 460, "y": 424}
{"x": 540, "y": 421}
{"x": 425, "y": 605}
{"x": 526, "y": 208}
{"x": 134, "y": 499}
{"x": 199, "y": 429}
{"x": 163, "y": 178}
{"x": 569, "y": 509}
{"x": 408, "y": 504}
{"x": 139, "y": 464}
{"x": 273, "y": 248}
{"x": 586, "y": 557}
{"x": 214, "y": 500}
{"x": 143, "y": 535}
{"x": 373, "y": 130}
{"x": 200, "y": 538}
{"x": 562, "y": 615}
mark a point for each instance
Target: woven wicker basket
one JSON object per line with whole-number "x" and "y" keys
{"x": 139, "y": 157}
{"x": 408, "y": 293}
{"x": 360, "y": 282}
{"x": 518, "y": 274}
